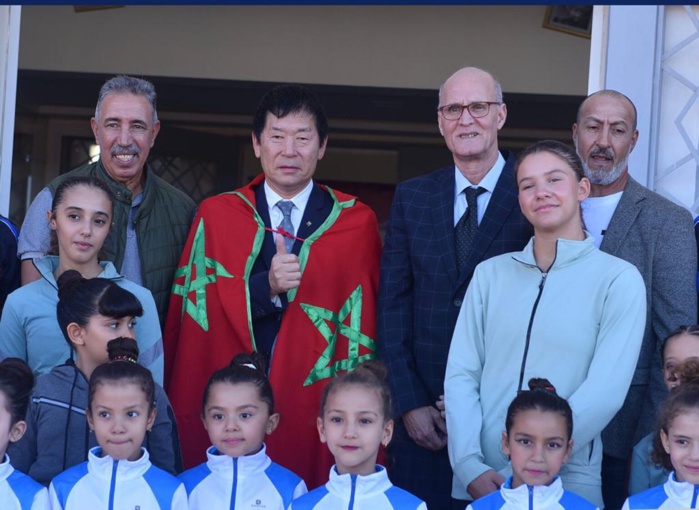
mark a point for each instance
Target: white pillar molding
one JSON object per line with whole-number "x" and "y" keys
{"x": 650, "y": 53}
{"x": 9, "y": 52}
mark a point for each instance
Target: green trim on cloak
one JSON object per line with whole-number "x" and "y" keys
{"x": 303, "y": 254}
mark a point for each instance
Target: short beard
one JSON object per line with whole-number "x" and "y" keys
{"x": 604, "y": 177}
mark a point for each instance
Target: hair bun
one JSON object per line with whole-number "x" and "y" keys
{"x": 253, "y": 360}
{"x": 536, "y": 383}
{"x": 375, "y": 367}
{"x": 67, "y": 282}
{"x": 19, "y": 371}
{"x": 123, "y": 349}
{"x": 688, "y": 371}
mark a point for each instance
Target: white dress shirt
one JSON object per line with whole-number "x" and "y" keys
{"x": 488, "y": 183}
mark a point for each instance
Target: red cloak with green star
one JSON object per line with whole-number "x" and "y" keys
{"x": 328, "y": 327}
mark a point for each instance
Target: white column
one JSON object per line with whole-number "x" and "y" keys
{"x": 9, "y": 52}
{"x": 650, "y": 53}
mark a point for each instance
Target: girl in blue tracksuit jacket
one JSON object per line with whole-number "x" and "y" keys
{"x": 17, "y": 490}
{"x": 118, "y": 473}
{"x": 355, "y": 420}
{"x": 676, "y": 445}
{"x": 238, "y": 412}
{"x": 678, "y": 347}
{"x": 90, "y": 312}
{"x": 538, "y": 439}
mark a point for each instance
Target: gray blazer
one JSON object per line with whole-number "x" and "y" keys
{"x": 657, "y": 236}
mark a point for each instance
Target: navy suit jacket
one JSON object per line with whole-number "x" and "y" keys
{"x": 421, "y": 290}
{"x": 266, "y": 318}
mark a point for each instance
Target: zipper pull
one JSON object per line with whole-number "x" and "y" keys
{"x": 543, "y": 280}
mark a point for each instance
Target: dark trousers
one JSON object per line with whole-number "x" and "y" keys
{"x": 424, "y": 473}
{"x": 615, "y": 482}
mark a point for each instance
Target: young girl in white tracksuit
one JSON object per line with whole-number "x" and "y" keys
{"x": 17, "y": 490}
{"x": 238, "y": 412}
{"x": 676, "y": 446}
{"x": 118, "y": 473}
{"x": 538, "y": 439}
{"x": 355, "y": 420}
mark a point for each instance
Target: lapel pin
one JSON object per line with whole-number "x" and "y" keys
{"x": 308, "y": 223}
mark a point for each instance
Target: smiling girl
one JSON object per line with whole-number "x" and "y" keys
{"x": 238, "y": 412}
{"x": 676, "y": 446}
{"x": 355, "y": 420}
{"x": 118, "y": 473}
{"x": 680, "y": 345}
{"x": 560, "y": 307}
{"x": 91, "y": 313}
{"x": 80, "y": 219}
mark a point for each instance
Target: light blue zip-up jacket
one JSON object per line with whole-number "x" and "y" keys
{"x": 671, "y": 494}
{"x": 19, "y": 492}
{"x": 580, "y": 325}
{"x": 645, "y": 474}
{"x": 103, "y": 483}
{"x": 252, "y": 481}
{"x": 527, "y": 497}
{"x": 358, "y": 492}
{"x": 30, "y": 329}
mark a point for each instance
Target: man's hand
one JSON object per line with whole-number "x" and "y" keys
{"x": 442, "y": 409}
{"x": 285, "y": 271}
{"x": 488, "y": 482}
{"x": 426, "y": 427}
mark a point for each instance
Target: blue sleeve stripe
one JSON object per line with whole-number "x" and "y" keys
{"x": 63, "y": 484}
{"x": 652, "y": 498}
{"x": 24, "y": 488}
{"x": 284, "y": 481}
{"x": 572, "y": 500}
{"x": 193, "y": 477}
{"x": 492, "y": 501}
{"x": 402, "y": 499}
{"x": 310, "y": 500}
{"x": 163, "y": 485}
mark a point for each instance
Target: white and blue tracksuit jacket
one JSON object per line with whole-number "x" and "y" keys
{"x": 671, "y": 494}
{"x": 358, "y": 492}
{"x": 539, "y": 497}
{"x": 20, "y": 492}
{"x": 105, "y": 483}
{"x": 252, "y": 481}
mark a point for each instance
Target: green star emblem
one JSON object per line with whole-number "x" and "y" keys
{"x": 198, "y": 264}
{"x": 321, "y": 318}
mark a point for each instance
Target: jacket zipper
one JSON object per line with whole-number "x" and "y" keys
{"x": 529, "y": 330}
{"x": 531, "y": 497}
{"x": 235, "y": 482}
{"x": 112, "y": 485}
{"x": 354, "y": 487}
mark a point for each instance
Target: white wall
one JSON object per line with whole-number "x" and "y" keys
{"x": 388, "y": 46}
{"x": 9, "y": 40}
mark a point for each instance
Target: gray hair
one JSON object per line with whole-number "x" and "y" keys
{"x": 498, "y": 87}
{"x": 123, "y": 84}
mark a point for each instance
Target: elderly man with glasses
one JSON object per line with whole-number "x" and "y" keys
{"x": 442, "y": 225}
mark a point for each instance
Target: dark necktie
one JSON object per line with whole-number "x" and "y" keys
{"x": 285, "y": 206}
{"x": 465, "y": 230}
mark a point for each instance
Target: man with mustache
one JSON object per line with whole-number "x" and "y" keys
{"x": 638, "y": 225}
{"x": 151, "y": 217}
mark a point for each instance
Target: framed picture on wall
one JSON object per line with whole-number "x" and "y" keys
{"x": 571, "y": 19}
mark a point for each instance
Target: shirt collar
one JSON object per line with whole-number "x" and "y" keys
{"x": 489, "y": 180}
{"x": 300, "y": 199}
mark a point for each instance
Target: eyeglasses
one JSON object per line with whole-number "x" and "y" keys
{"x": 476, "y": 110}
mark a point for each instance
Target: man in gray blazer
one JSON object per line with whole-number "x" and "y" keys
{"x": 638, "y": 225}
